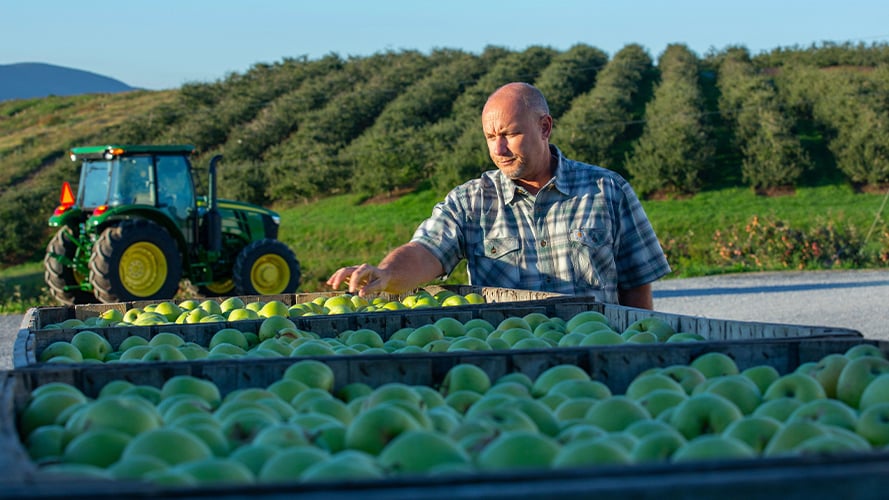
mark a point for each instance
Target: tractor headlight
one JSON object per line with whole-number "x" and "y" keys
{"x": 276, "y": 219}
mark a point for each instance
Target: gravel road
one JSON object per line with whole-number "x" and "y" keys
{"x": 858, "y": 300}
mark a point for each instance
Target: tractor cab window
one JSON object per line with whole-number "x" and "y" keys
{"x": 131, "y": 181}
{"x": 174, "y": 185}
{"x": 94, "y": 184}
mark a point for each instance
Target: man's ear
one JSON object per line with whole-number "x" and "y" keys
{"x": 546, "y": 126}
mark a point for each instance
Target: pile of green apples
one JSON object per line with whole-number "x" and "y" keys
{"x": 278, "y": 336}
{"x": 304, "y": 427}
{"x": 235, "y": 309}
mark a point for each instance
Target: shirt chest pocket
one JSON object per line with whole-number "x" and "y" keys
{"x": 592, "y": 257}
{"x": 496, "y": 263}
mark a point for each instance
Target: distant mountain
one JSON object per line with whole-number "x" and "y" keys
{"x": 27, "y": 80}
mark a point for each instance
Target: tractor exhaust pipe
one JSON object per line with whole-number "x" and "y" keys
{"x": 214, "y": 221}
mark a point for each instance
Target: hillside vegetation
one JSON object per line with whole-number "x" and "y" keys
{"x": 692, "y": 133}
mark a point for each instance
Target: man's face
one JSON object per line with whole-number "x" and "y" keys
{"x": 518, "y": 141}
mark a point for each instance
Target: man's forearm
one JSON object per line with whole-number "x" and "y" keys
{"x": 410, "y": 265}
{"x": 640, "y": 297}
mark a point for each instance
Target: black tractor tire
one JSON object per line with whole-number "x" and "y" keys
{"x": 266, "y": 267}
{"x": 58, "y": 276}
{"x": 136, "y": 260}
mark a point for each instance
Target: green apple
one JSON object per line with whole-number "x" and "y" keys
{"x": 660, "y": 401}
{"x": 685, "y": 337}
{"x": 96, "y": 446}
{"x": 762, "y": 376}
{"x": 780, "y": 408}
{"x": 231, "y": 336}
{"x": 616, "y": 413}
{"x": 578, "y": 387}
{"x": 656, "y": 446}
{"x": 602, "y": 337}
{"x": 465, "y": 376}
{"x": 131, "y": 314}
{"x": 230, "y": 304}
{"x": 584, "y": 317}
{"x": 169, "y": 309}
{"x": 555, "y": 374}
{"x": 687, "y": 376}
{"x": 367, "y": 337}
{"x": 166, "y": 338}
{"x": 289, "y": 463}
{"x": 461, "y": 401}
{"x": 274, "y": 308}
{"x": 573, "y": 409}
{"x": 191, "y": 385}
{"x": 469, "y": 344}
{"x": 543, "y": 417}
{"x": 475, "y": 298}
{"x": 645, "y": 383}
{"x": 112, "y": 316}
{"x": 346, "y": 465}
{"x": 873, "y": 424}
{"x": 136, "y": 467}
{"x": 861, "y": 350}
{"x": 130, "y": 415}
{"x": 478, "y": 323}
{"x": 738, "y": 389}
{"x": 876, "y": 392}
{"x": 132, "y": 341}
{"x": 45, "y": 443}
{"x": 271, "y": 326}
{"x": 60, "y": 348}
{"x": 791, "y": 435}
{"x": 704, "y": 413}
{"x": 423, "y": 335}
{"x": 255, "y": 456}
{"x": 518, "y": 449}
{"x": 242, "y": 314}
{"x": 418, "y": 451}
{"x": 162, "y": 352}
{"x": 45, "y": 409}
{"x": 591, "y": 451}
{"x": 658, "y": 326}
{"x": 827, "y": 412}
{"x": 756, "y": 431}
{"x": 217, "y": 471}
{"x": 827, "y": 372}
{"x": 371, "y": 430}
{"x": 715, "y": 364}
{"x": 91, "y": 345}
{"x": 451, "y": 327}
{"x": 210, "y": 307}
{"x": 795, "y": 385}
{"x": 710, "y": 446}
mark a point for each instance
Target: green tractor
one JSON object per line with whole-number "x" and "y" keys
{"x": 138, "y": 226}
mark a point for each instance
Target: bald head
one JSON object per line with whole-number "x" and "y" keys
{"x": 524, "y": 94}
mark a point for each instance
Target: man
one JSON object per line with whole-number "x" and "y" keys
{"x": 538, "y": 222}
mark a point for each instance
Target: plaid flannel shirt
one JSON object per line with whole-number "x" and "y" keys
{"x": 584, "y": 233}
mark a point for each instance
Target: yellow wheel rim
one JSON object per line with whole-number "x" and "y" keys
{"x": 270, "y": 274}
{"x": 143, "y": 269}
{"x": 221, "y": 287}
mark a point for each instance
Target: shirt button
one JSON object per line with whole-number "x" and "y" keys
{"x": 543, "y": 243}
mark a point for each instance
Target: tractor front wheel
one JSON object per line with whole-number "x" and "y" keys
{"x": 266, "y": 267}
{"x": 136, "y": 260}
{"x": 59, "y": 272}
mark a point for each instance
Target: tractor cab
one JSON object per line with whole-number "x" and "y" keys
{"x": 122, "y": 178}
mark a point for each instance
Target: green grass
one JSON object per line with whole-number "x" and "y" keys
{"x": 338, "y": 231}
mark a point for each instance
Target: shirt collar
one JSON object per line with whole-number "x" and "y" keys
{"x": 558, "y": 181}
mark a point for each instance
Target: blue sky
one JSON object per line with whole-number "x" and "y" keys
{"x": 162, "y": 44}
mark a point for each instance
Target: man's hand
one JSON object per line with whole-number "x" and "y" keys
{"x": 363, "y": 279}
{"x": 403, "y": 269}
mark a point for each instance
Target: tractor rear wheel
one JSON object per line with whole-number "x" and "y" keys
{"x": 59, "y": 276}
{"x": 136, "y": 260}
{"x": 266, "y": 267}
